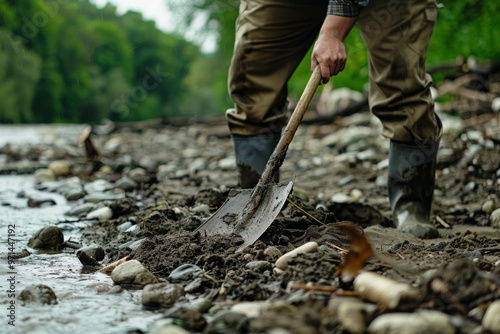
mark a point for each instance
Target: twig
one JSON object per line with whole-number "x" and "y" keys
{"x": 304, "y": 211}
{"x": 334, "y": 246}
{"x": 400, "y": 256}
{"x": 442, "y": 222}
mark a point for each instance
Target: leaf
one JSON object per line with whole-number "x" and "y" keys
{"x": 360, "y": 251}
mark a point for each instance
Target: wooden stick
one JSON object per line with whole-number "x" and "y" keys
{"x": 334, "y": 246}
{"x": 442, "y": 222}
{"x": 304, "y": 211}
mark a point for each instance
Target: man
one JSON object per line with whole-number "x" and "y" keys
{"x": 272, "y": 37}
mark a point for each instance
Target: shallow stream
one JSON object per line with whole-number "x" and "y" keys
{"x": 81, "y": 308}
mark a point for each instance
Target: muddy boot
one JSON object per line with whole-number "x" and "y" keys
{"x": 252, "y": 154}
{"x": 411, "y": 185}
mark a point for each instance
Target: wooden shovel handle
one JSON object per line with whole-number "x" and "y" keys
{"x": 279, "y": 153}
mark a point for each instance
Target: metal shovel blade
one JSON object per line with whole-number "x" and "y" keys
{"x": 227, "y": 219}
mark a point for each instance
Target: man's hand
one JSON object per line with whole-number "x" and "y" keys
{"x": 329, "y": 50}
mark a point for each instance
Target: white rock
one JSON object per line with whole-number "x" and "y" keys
{"x": 495, "y": 218}
{"x": 60, "y": 168}
{"x": 227, "y": 163}
{"x": 168, "y": 329}
{"x": 495, "y": 104}
{"x": 44, "y": 175}
{"x": 102, "y": 214}
{"x": 491, "y": 319}
{"x": 251, "y": 309}
{"x": 132, "y": 272}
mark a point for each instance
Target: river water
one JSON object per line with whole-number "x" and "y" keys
{"x": 80, "y": 308}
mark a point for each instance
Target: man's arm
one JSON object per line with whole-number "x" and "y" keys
{"x": 329, "y": 50}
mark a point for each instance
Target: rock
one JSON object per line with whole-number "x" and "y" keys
{"x": 124, "y": 226}
{"x": 429, "y": 322}
{"x": 228, "y": 322}
{"x": 189, "y": 318}
{"x": 488, "y": 206}
{"x": 148, "y": 163}
{"x": 351, "y": 315}
{"x": 138, "y": 174}
{"x": 102, "y": 214}
{"x": 113, "y": 144}
{"x": 184, "y": 272}
{"x": 132, "y": 272}
{"x": 194, "y": 285}
{"x": 165, "y": 326}
{"x": 250, "y": 309}
{"x": 60, "y": 168}
{"x": 48, "y": 238}
{"x": 74, "y": 194}
{"x": 259, "y": 266}
{"x": 491, "y": 319}
{"x": 273, "y": 253}
{"x": 90, "y": 255}
{"x": 38, "y": 203}
{"x": 200, "y": 304}
{"x": 161, "y": 294}
{"x": 340, "y": 99}
{"x": 81, "y": 210}
{"x": 44, "y": 175}
{"x": 495, "y": 218}
{"x": 227, "y": 163}
{"x": 126, "y": 183}
{"x": 39, "y": 294}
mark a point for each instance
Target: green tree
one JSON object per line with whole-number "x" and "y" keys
{"x": 19, "y": 74}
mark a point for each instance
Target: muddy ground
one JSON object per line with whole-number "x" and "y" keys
{"x": 187, "y": 171}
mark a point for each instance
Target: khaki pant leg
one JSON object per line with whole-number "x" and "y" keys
{"x": 272, "y": 37}
{"x": 396, "y": 33}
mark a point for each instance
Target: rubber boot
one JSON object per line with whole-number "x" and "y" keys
{"x": 252, "y": 154}
{"x": 411, "y": 185}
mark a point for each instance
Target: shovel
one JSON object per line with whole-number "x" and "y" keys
{"x": 250, "y": 212}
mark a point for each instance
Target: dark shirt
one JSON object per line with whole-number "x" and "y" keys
{"x": 348, "y": 8}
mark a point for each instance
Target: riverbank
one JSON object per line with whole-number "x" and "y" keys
{"x": 160, "y": 184}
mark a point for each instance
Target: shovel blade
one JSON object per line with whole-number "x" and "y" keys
{"x": 227, "y": 219}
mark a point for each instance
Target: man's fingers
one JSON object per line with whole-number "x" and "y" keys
{"x": 325, "y": 73}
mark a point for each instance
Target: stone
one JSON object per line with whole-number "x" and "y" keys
{"x": 60, "y": 168}
{"x": 132, "y": 272}
{"x": 48, "y": 238}
{"x": 165, "y": 326}
{"x": 74, "y": 194}
{"x": 161, "y": 294}
{"x": 495, "y": 219}
{"x": 228, "y": 322}
{"x": 38, "y": 294}
{"x": 250, "y": 309}
{"x": 184, "y": 272}
{"x": 101, "y": 214}
{"x": 491, "y": 319}
{"x": 44, "y": 175}
{"x": 126, "y": 183}
{"x": 259, "y": 266}
{"x": 488, "y": 206}
{"x": 81, "y": 210}
{"x": 273, "y": 253}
